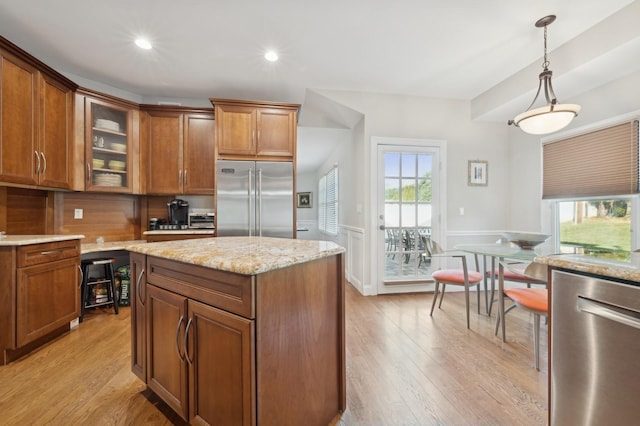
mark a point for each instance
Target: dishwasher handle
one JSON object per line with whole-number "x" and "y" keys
{"x": 611, "y": 312}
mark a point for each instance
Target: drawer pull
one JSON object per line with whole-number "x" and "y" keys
{"x": 50, "y": 252}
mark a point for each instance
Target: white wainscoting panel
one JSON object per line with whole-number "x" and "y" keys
{"x": 352, "y": 239}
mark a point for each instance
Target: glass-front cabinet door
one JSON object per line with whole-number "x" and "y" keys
{"x": 108, "y": 147}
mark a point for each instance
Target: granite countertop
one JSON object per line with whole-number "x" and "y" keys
{"x": 24, "y": 240}
{"x": 242, "y": 255}
{"x": 107, "y": 246}
{"x": 629, "y": 271}
{"x": 180, "y": 232}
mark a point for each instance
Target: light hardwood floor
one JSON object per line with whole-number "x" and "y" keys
{"x": 403, "y": 368}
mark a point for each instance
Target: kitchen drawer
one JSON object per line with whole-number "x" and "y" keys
{"x": 35, "y": 254}
{"x": 225, "y": 290}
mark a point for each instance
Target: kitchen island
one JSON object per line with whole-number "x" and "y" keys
{"x": 241, "y": 330}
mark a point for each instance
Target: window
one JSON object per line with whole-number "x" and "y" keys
{"x": 598, "y": 227}
{"x": 328, "y": 202}
{"x": 592, "y": 180}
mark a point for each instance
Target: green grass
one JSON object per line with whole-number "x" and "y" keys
{"x": 601, "y": 237}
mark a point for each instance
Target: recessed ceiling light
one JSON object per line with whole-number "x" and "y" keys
{"x": 271, "y": 56}
{"x": 143, "y": 44}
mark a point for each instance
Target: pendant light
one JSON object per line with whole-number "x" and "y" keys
{"x": 553, "y": 116}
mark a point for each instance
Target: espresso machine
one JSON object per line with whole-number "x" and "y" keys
{"x": 178, "y": 214}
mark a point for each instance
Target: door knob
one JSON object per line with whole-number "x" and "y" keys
{"x": 382, "y": 227}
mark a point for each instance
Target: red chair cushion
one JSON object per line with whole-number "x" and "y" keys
{"x": 456, "y": 276}
{"x": 532, "y": 298}
{"x": 512, "y": 276}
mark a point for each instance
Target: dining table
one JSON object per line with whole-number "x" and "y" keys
{"x": 501, "y": 253}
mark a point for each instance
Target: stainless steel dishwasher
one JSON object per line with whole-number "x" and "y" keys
{"x": 595, "y": 350}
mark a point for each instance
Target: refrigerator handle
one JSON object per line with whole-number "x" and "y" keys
{"x": 250, "y": 201}
{"x": 259, "y": 211}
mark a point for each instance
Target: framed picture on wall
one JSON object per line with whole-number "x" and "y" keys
{"x": 304, "y": 200}
{"x": 478, "y": 173}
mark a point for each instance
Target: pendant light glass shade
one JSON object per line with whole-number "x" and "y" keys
{"x": 553, "y": 116}
{"x": 546, "y": 119}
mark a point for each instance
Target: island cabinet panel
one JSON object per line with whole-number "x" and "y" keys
{"x": 221, "y": 361}
{"x": 137, "y": 272}
{"x": 234, "y": 349}
{"x": 166, "y": 363}
{"x": 40, "y": 295}
{"x": 228, "y": 291}
{"x": 300, "y": 343}
{"x": 200, "y": 357}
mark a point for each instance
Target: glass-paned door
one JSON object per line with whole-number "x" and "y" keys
{"x": 408, "y": 207}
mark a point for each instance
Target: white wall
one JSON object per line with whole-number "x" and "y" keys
{"x": 426, "y": 118}
{"x": 308, "y": 217}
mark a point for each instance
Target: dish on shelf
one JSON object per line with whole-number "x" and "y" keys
{"x": 120, "y": 147}
{"x": 117, "y": 165}
{"x": 107, "y": 179}
{"x": 107, "y": 124}
{"x": 526, "y": 240}
{"x": 97, "y": 163}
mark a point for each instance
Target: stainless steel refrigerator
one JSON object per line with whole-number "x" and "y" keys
{"x": 254, "y": 198}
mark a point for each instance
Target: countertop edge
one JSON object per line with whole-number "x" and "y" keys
{"x": 595, "y": 266}
{"x": 241, "y": 255}
{"x": 25, "y": 240}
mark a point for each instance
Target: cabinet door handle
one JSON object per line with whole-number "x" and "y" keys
{"x": 179, "y": 176}
{"x": 44, "y": 162}
{"x": 81, "y": 276}
{"x": 186, "y": 343}
{"x": 38, "y": 163}
{"x": 138, "y": 286}
{"x": 178, "y": 338}
{"x": 88, "y": 173}
{"x": 185, "y": 177}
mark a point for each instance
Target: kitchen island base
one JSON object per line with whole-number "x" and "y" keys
{"x": 228, "y": 348}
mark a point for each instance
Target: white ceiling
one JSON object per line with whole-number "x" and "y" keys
{"x": 485, "y": 52}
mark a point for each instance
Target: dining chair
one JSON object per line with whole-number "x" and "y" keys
{"x": 534, "y": 300}
{"x": 460, "y": 277}
{"x": 510, "y": 275}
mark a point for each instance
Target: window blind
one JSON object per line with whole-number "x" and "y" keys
{"x": 328, "y": 203}
{"x": 600, "y": 163}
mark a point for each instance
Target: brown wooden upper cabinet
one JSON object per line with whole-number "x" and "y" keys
{"x": 110, "y": 132}
{"x": 179, "y": 150}
{"x": 255, "y": 129}
{"x": 36, "y": 107}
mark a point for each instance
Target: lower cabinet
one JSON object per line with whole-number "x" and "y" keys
{"x": 39, "y": 295}
{"x": 48, "y": 298}
{"x": 199, "y": 359}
